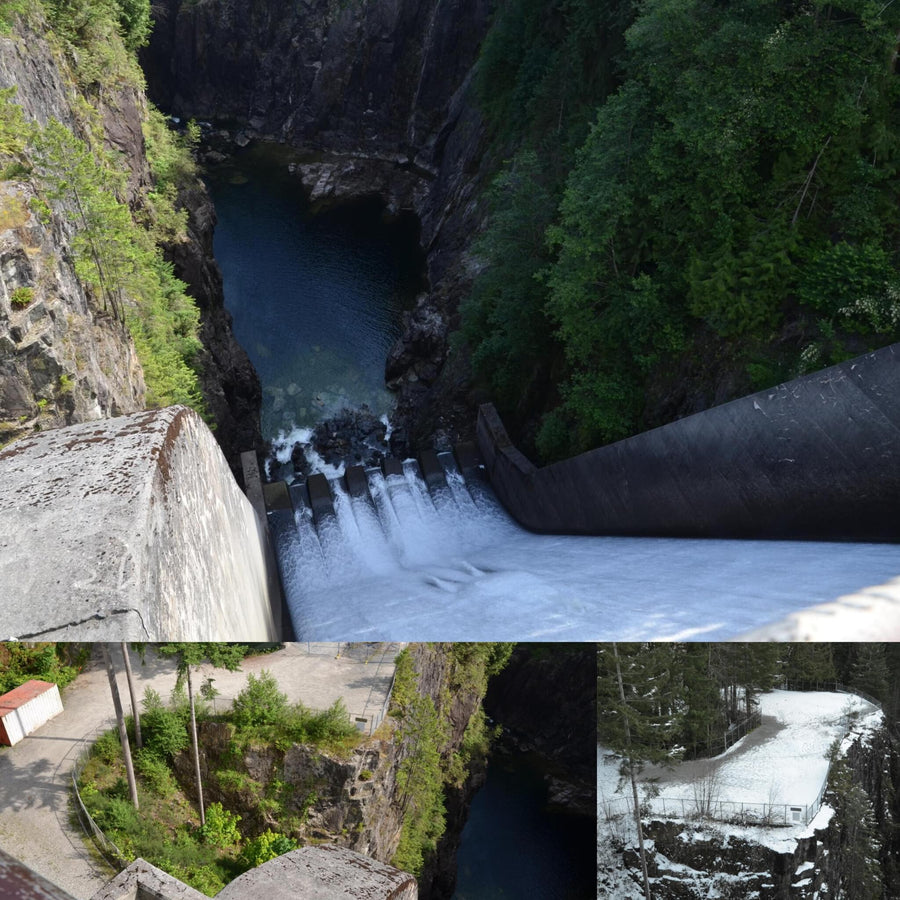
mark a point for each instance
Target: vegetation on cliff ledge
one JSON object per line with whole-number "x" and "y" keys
{"x": 167, "y": 831}
{"x": 434, "y": 762}
{"x": 118, "y": 228}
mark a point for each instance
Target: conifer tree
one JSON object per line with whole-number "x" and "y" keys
{"x": 808, "y": 663}
{"x": 869, "y": 671}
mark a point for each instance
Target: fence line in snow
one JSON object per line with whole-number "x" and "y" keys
{"x": 705, "y": 805}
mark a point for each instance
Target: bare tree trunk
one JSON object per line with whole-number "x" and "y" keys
{"x": 634, "y": 793}
{"x": 196, "y": 747}
{"x": 135, "y": 711}
{"x": 120, "y": 718}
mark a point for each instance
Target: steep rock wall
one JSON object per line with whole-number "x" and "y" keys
{"x": 62, "y": 360}
{"x": 383, "y": 91}
{"x": 558, "y": 721}
{"x": 691, "y": 861}
{"x": 356, "y": 802}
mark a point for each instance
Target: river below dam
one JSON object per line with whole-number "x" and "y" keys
{"x": 316, "y": 297}
{"x": 515, "y": 845}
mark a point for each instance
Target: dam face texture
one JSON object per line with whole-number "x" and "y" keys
{"x": 130, "y": 528}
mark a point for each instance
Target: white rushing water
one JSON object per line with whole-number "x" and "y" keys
{"x": 454, "y": 566}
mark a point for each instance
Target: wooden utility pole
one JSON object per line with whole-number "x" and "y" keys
{"x": 135, "y": 712}
{"x": 196, "y": 748}
{"x": 120, "y": 718}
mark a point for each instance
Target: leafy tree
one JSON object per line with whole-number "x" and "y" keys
{"x": 260, "y": 702}
{"x": 732, "y": 199}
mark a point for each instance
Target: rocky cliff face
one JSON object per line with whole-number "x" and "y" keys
{"x": 229, "y": 381}
{"x": 693, "y": 860}
{"x": 381, "y": 89}
{"x": 355, "y": 801}
{"x": 62, "y": 360}
{"x": 558, "y": 721}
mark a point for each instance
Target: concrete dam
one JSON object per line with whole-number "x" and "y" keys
{"x": 807, "y": 475}
{"x": 140, "y": 531}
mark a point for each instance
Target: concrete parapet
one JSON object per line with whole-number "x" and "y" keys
{"x": 322, "y": 873}
{"x": 817, "y": 457}
{"x": 310, "y": 873}
{"x": 143, "y": 881}
{"x": 129, "y": 529}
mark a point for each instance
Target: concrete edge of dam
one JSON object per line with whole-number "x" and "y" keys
{"x": 814, "y": 458}
{"x": 130, "y": 528}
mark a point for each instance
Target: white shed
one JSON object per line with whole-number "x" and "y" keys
{"x": 25, "y": 708}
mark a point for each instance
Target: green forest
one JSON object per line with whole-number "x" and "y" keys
{"x": 693, "y": 200}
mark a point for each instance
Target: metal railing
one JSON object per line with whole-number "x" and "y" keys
{"x": 832, "y": 686}
{"x": 732, "y": 812}
{"x": 107, "y": 848}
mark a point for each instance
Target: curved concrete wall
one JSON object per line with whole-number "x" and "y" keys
{"x": 129, "y": 529}
{"x": 817, "y": 457}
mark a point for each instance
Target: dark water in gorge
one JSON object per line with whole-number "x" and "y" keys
{"x": 513, "y": 846}
{"x": 316, "y": 299}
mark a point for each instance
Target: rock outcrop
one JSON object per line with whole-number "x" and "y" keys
{"x": 62, "y": 359}
{"x": 688, "y": 860}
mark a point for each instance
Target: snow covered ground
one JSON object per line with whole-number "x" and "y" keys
{"x": 775, "y": 774}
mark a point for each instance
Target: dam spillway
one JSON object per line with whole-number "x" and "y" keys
{"x": 412, "y": 557}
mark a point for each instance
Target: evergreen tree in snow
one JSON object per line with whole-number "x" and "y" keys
{"x": 858, "y": 848}
{"x": 808, "y": 663}
{"x": 644, "y": 719}
{"x": 869, "y": 670}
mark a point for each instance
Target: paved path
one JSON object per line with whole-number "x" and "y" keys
{"x": 695, "y": 770}
{"x": 35, "y": 775}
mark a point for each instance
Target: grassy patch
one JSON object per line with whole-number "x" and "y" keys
{"x": 167, "y": 831}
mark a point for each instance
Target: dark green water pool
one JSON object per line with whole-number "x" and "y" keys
{"x": 316, "y": 299}
{"x": 514, "y": 847}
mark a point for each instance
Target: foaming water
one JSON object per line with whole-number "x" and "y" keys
{"x": 451, "y": 565}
